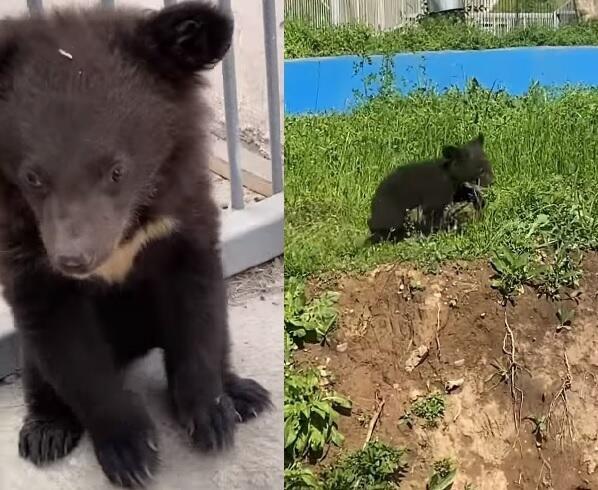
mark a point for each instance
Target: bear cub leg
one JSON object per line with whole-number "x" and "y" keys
{"x": 50, "y": 430}
{"x": 74, "y": 370}
{"x": 208, "y": 399}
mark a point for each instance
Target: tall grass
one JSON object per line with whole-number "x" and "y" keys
{"x": 544, "y": 149}
{"x": 302, "y": 40}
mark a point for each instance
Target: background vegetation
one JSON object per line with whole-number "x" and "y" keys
{"x": 302, "y": 40}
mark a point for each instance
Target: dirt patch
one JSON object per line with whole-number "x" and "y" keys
{"x": 463, "y": 332}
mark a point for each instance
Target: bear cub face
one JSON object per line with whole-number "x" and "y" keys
{"x": 89, "y": 126}
{"x": 468, "y": 164}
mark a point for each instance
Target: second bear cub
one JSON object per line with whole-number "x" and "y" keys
{"x": 430, "y": 186}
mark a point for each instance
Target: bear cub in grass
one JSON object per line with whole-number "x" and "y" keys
{"x": 110, "y": 237}
{"x": 429, "y": 187}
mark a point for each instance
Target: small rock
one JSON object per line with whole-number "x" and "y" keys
{"x": 414, "y": 395}
{"x": 417, "y": 356}
{"x": 452, "y": 303}
{"x": 459, "y": 362}
{"x": 452, "y": 385}
{"x": 395, "y": 386}
{"x": 482, "y": 315}
{"x": 341, "y": 347}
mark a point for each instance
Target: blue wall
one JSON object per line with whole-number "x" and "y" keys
{"x": 317, "y": 85}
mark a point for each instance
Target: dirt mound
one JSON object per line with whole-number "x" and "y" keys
{"x": 463, "y": 333}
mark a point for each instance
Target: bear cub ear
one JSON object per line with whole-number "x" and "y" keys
{"x": 451, "y": 152}
{"x": 185, "y": 38}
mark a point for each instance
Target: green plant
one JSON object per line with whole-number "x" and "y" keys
{"x": 307, "y": 321}
{"x": 310, "y": 415}
{"x": 512, "y": 271}
{"x": 444, "y": 475}
{"x": 376, "y": 467}
{"x": 296, "y": 477}
{"x": 565, "y": 317}
{"x": 539, "y": 428}
{"x": 430, "y": 408}
{"x": 303, "y": 40}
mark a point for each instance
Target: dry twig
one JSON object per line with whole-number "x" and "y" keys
{"x": 372, "y": 425}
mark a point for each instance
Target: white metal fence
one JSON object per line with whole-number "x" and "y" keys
{"x": 231, "y": 101}
{"x": 495, "y": 15}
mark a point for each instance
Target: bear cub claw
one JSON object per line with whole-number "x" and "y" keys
{"x": 44, "y": 440}
{"x": 249, "y": 397}
{"x": 211, "y": 426}
{"x": 129, "y": 458}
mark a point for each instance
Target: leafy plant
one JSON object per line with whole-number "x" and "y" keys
{"x": 539, "y": 428}
{"x": 310, "y": 415}
{"x": 376, "y": 467}
{"x": 512, "y": 271}
{"x": 444, "y": 475}
{"x": 430, "y": 408}
{"x": 565, "y": 317}
{"x": 296, "y": 477}
{"x": 308, "y": 321}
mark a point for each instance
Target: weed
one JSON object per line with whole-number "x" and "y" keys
{"x": 565, "y": 317}
{"x": 378, "y": 466}
{"x": 307, "y": 322}
{"x": 512, "y": 271}
{"x": 430, "y": 408}
{"x": 296, "y": 477}
{"x": 539, "y": 428}
{"x": 444, "y": 475}
{"x": 310, "y": 410}
{"x": 310, "y": 415}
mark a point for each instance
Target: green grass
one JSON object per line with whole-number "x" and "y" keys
{"x": 302, "y": 40}
{"x": 543, "y": 148}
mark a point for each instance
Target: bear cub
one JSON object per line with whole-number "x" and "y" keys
{"x": 109, "y": 233}
{"x": 427, "y": 188}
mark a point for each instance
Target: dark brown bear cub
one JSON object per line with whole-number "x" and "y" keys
{"x": 429, "y": 187}
{"x": 110, "y": 237}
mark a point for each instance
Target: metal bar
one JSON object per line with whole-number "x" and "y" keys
{"x": 231, "y": 113}
{"x": 271, "y": 47}
{"x": 108, "y": 3}
{"x": 35, "y": 6}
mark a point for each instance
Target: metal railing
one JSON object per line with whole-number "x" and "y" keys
{"x": 231, "y": 103}
{"x": 497, "y": 16}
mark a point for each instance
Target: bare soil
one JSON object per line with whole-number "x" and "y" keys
{"x": 460, "y": 320}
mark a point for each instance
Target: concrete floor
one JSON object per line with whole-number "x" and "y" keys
{"x": 256, "y": 461}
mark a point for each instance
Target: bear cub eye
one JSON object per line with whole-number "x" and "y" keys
{"x": 33, "y": 180}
